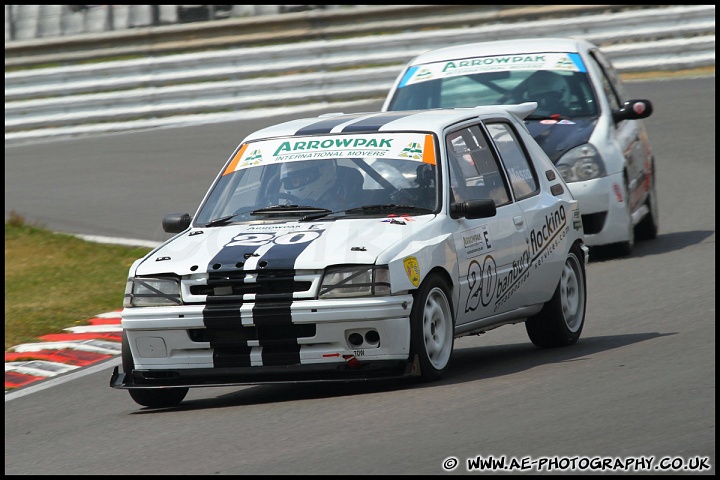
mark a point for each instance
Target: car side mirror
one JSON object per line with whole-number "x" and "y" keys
{"x": 176, "y": 222}
{"x": 633, "y": 110}
{"x": 474, "y": 209}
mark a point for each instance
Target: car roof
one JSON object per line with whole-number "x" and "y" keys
{"x": 505, "y": 47}
{"x": 434, "y": 120}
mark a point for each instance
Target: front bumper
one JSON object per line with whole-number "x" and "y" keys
{"x": 344, "y": 339}
{"x": 225, "y": 377}
{"x": 602, "y": 208}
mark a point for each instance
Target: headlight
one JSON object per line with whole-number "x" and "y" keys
{"x": 580, "y": 164}
{"x": 152, "y": 292}
{"x": 355, "y": 281}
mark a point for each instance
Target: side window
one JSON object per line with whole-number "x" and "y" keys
{"x": 610, "y": 80}
{"x": 474, "y": 170}
{"x": 519, "y": 170}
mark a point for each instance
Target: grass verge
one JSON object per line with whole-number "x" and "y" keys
{"x": 54, "y": 281}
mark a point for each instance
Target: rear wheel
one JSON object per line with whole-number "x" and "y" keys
{"x": 154, "y": 397}
{"x": 432, "y": 329}
{"x": 561, "y": 319}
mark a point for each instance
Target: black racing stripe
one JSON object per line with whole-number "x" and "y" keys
{"x": 275, "y": 319}
{"x": 231, "y": 357}
{"x": 218, "y": 315}
{"x": 230, "y": 258}
{"x": 281, "y": 355}
{"x": 272, "y": 314}
{"x": 287, "y": 249}
{"x": 272, "y": 326}
{"x": 327, "y": 124}
{"x": 227, "y": 336}
{"x": 224, "y": 330}
{"x": 227, "y": 263}
{"x": 373, "y": 124}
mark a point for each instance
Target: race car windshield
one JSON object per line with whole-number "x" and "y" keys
{"x": 566, "y": 92}
{"x": 397, "y": 170}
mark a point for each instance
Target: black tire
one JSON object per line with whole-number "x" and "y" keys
{"x": 149, "y": 397}
{"x": 432, "y": 328}
{"x": 561, "y": 320}
{"x": 647, "y": 229}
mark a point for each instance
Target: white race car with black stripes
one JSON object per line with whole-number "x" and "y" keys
{"x": 354, "y": 247}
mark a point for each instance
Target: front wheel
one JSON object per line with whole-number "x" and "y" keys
{"x": 432, "y": 328}
{"x": 154, "y": 397}
{"x": 624, "y": 249}
{"x": 647, "y": 229}
{"x": 561, "y": 319}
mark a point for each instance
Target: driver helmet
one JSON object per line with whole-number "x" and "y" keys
{"x": 548, "y": 89}
{"x": 307, "y": 179}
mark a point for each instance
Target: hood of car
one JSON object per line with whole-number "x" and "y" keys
{"x": 281, "y": 245}
{"x": 558, "y": 136}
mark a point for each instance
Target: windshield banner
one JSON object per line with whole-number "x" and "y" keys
{"x": 404, "y": 146}
{"x": 468, "y": 66}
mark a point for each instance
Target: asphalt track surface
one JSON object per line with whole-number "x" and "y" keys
{"x": 639, "y": 384}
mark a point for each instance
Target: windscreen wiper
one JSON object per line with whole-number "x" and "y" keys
{"x": 289, "y": 208}
{"x": 295, "y": 209}
{"x": 367, "y": 209}
{"x": 382, "y": 207}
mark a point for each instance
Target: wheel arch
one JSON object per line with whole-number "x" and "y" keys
{"x": 453, "y": 291}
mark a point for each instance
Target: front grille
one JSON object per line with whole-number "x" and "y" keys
{"x": 239, "y": 335}
{"x": 263, "y": 283}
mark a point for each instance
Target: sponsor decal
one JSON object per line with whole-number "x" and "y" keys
{"x": 474, "y": 242}
{"x": 412, "y": 270}
{"x": 490, "y": 288}
{"x": 253, "y": 158}
{"x": 520, "y": 175}
{"x": 332, "y": 144}
{"x": 482, "y": 281}
{"x": 529, "y": 62}
{"x": 424, "y": 74}
{"x": 412, "y": 151}
{"x": 577, "y": 219}
{"x": 541, "y": 236}
{"x": 407, "y": 146}
{"x": 401, "y": 219}
{"x": 618, "y": 192}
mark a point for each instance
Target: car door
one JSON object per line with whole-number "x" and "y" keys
{"x": 547, "y": 222}
{"x": 629, "y": 134}
{"x": 492, "y": 254}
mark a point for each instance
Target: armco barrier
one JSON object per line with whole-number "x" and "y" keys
{"x": 282, "y": 30}
{"x": 237, "y": 83}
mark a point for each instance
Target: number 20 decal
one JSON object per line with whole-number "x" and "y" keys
{"x": 258, "y": 239}
{"x": 482, "y": 281}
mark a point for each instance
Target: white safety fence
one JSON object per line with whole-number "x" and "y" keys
{"x": 237, "y": 83}
{"x": 29, "y": 22}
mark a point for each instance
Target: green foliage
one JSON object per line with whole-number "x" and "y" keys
{"x": 54, "y": 281}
